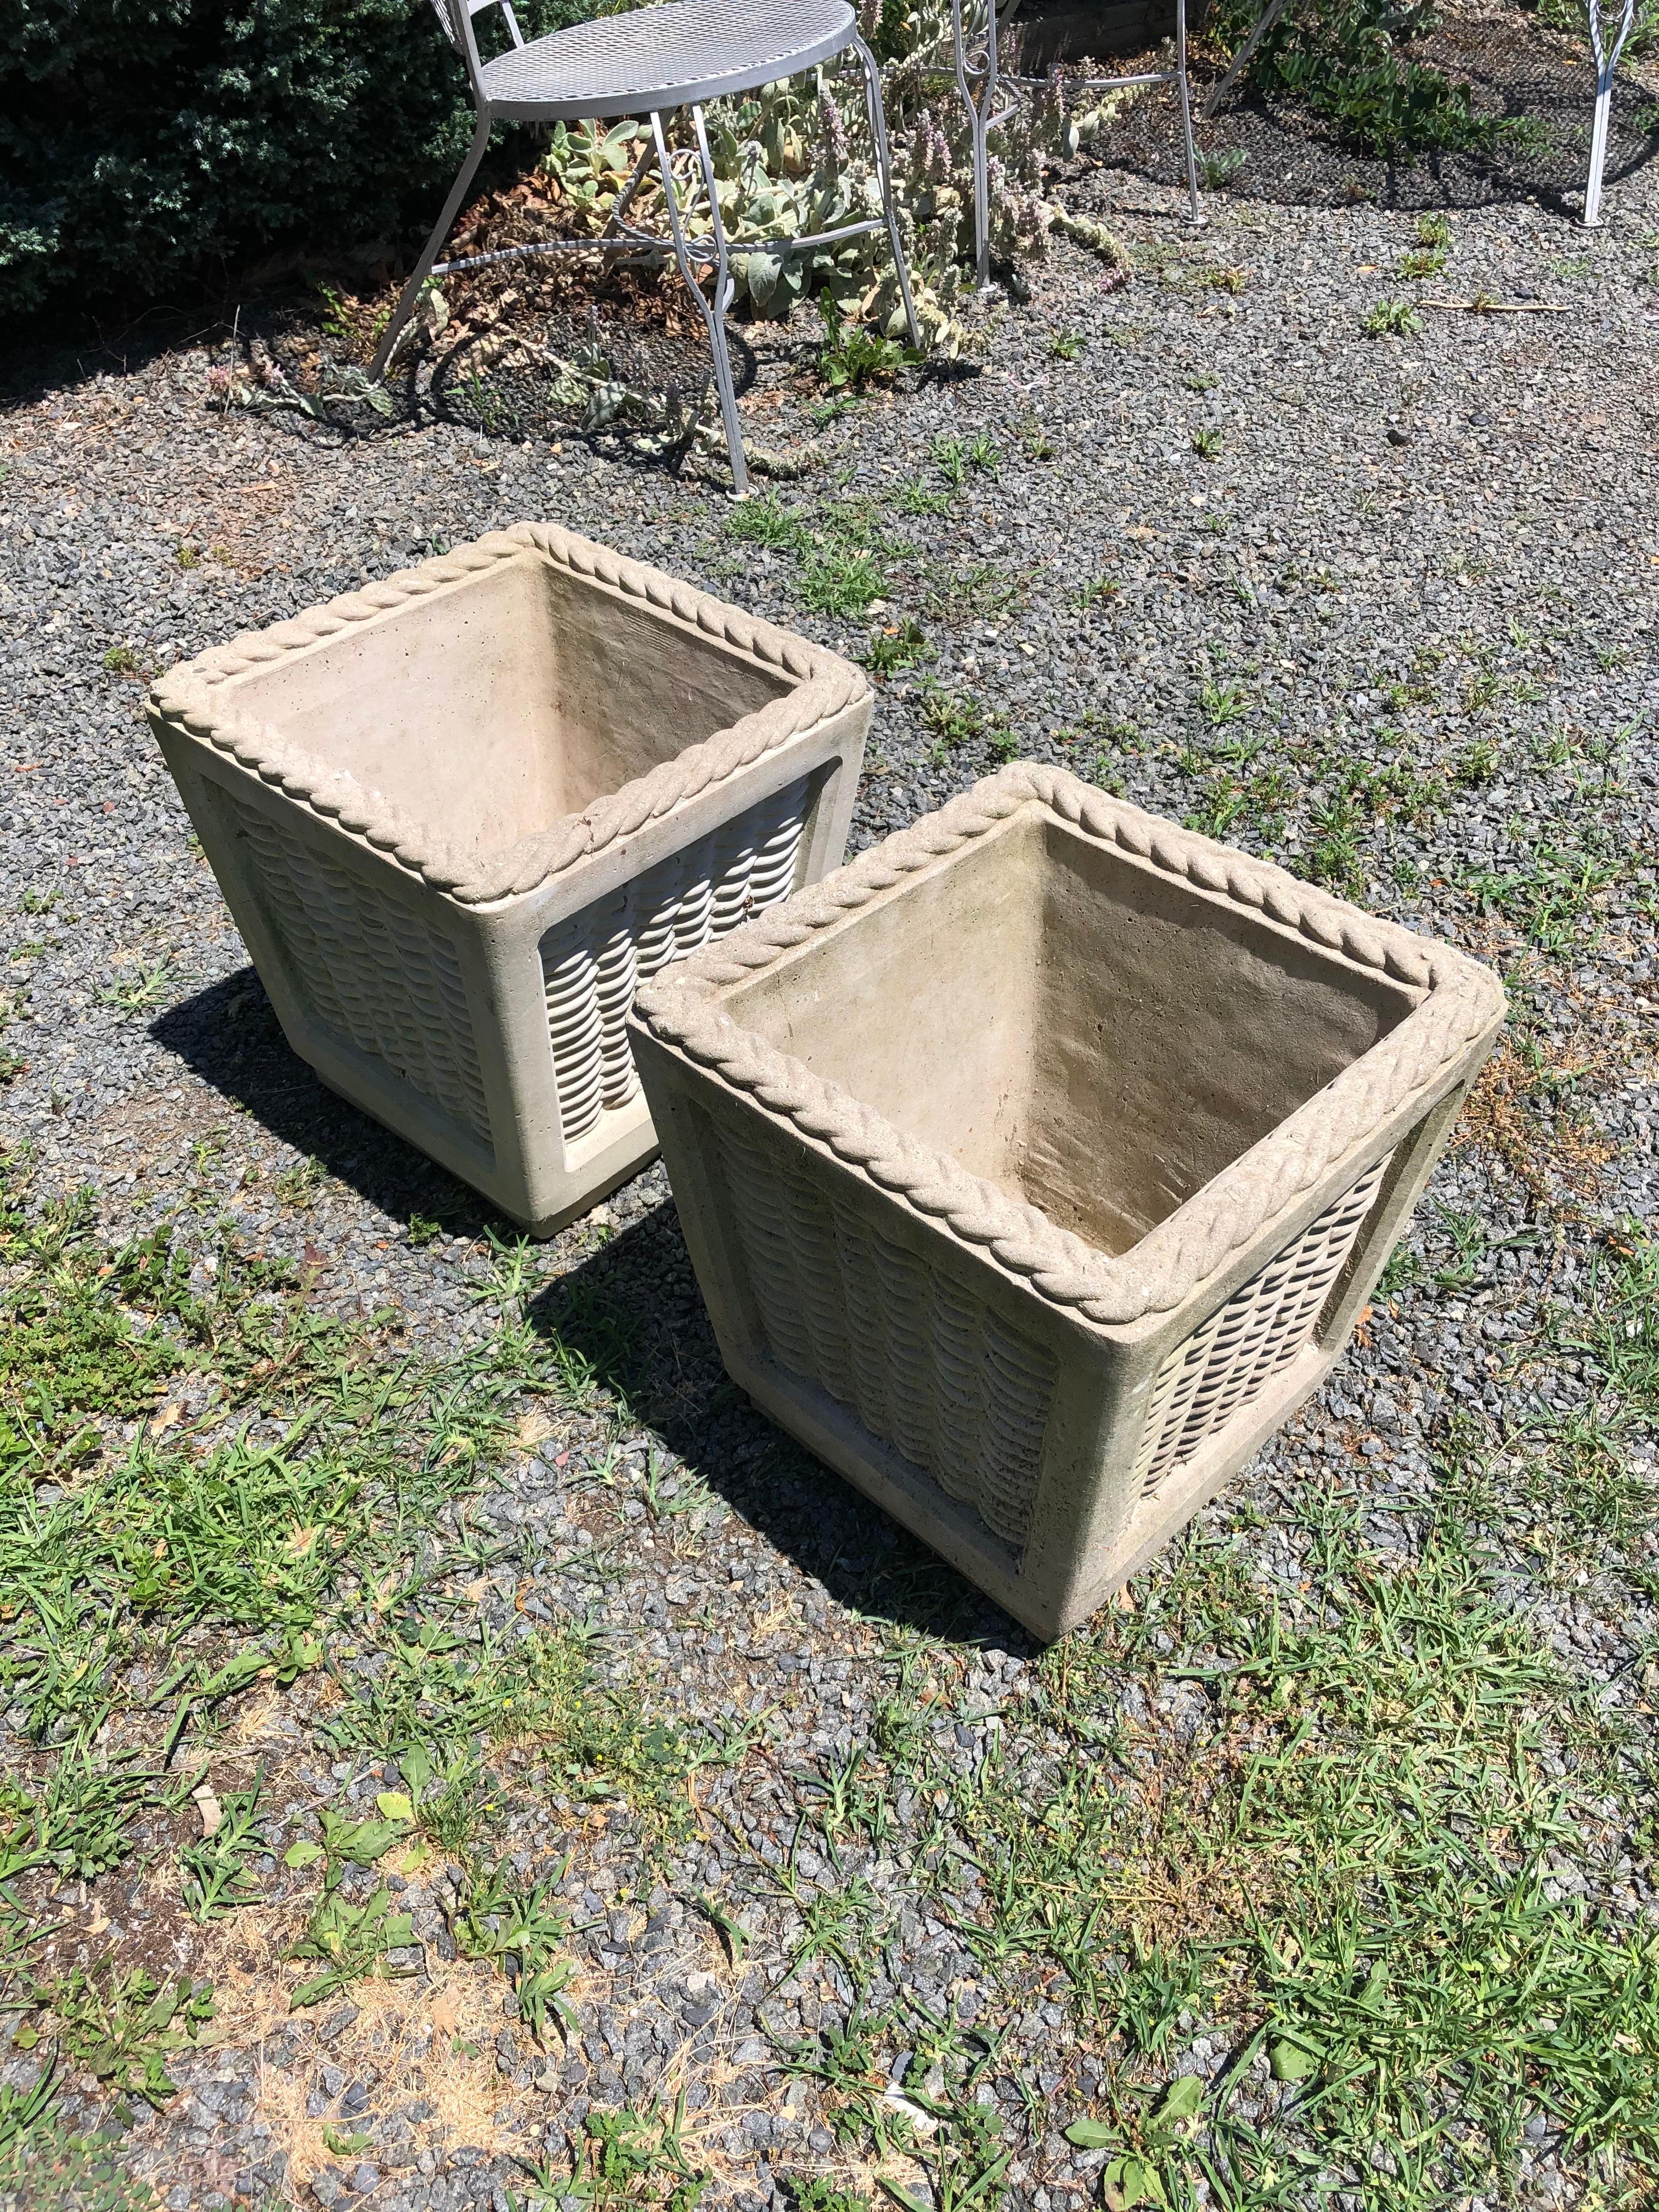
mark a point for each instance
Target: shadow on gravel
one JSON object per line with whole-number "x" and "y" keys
{"x": 633, "y": 1315}
{"x": 228, "y": 1035}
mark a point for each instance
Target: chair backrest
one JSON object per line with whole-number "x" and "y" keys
{"x": 456, "y": 17}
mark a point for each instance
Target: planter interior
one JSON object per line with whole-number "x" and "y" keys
{"x": 1116, "y": 1039}
{"x": 501, "y": 705}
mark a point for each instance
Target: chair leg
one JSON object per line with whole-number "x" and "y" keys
{"x": 1598, "y": 153}
{"x": 979, "y": 113}
{"x": 411, "y": 290}
{"x": 1187, "y": 109}
{"x": 884, "y": 175}
{"x": 713, "y": 316}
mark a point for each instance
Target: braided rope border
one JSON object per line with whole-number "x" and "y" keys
{"x": 189, "y": 701}
{"x": 1459, "y": 1001}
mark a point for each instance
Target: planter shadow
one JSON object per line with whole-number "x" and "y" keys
{"x": 634, "y": 1313}
{"x": 228, "y": 1035}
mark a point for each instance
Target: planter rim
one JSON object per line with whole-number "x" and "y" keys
{"x": 682, "y": 1009}
{"x": 185, "y": 699}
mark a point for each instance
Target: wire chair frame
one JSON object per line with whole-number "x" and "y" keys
{"x": 694, "y": 256}
{"x": 1610, "y": 27}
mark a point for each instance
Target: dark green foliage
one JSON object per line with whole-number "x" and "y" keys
{"x": 149, "y": 148}
{"x": 1341, "y": 59}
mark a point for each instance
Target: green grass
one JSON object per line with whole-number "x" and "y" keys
{"x": 766, "y": 521}
{"x": 1221, "y": 703}
{"x": 956, "y": 721}
{"x": 842, "y": 549}
{"x": 1351, "y": 1874}
{"x": 276, "y": 1528}
{"x": 840, "y": 580}
{"x": 44, "y": 2162}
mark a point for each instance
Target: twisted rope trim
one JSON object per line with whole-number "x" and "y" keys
{"x": 1459, "y": 1001}
{"x": 187, "y": 700}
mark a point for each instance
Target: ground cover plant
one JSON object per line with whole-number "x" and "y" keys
{"x": 1343, "y": 59}
{"x": 457, "y": 1754}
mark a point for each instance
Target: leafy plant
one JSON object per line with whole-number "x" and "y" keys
{"x": 217, "y": 1877}
{"x": 1137, "y": 2176}
{"x": 351, "y": 1941}
{"x": 955, "y": 721}
{"x": 1221, "y": 703}
{"x": 521, "y": 1931}
{"x": 902, "y": 646}
{"x": 1391, "y": 319}
{"x": 1341, "y": 59}
{"x": 1218, "y": 166}
{"x": 852, "y": 356}
{"x": 815, "y": 2194}
{"x": 1089, "y": 592}
{"x": 152, "y": 986}
{"x": 790, "y": 164}
{"x": 123, "y": 2028}
{"x": 627, "y": 2152}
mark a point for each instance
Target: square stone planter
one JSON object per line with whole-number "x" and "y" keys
{"x": 458, "y": 815}
{"x": 1036, "y": 1164}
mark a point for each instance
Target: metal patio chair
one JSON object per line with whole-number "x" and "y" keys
{"x": 648, "y": 65}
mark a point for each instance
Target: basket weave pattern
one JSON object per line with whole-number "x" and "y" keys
{"x": 925, "y": 1365}
{"x": 594, "y": 962}
{"x": 1228, "y": 1361}
{"x": 376, "y": 973}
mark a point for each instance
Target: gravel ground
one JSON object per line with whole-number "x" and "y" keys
{"x": 1435, "y": 551}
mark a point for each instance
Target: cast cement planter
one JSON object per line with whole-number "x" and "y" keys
{"x": 1036, "y": 1165}
{"x": 459, "y": 814}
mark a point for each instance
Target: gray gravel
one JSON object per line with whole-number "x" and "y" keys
{"x": 1467, "y": 508}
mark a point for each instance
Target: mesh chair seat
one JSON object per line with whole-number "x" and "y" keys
{"x": 656, "y": 58}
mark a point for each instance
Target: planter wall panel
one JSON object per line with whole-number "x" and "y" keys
{"x": 369, "y": 967}
{"x": 592, "y": 963}
{"x": 1231, "y": 1358}
{"x": 924, "y": 1364}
